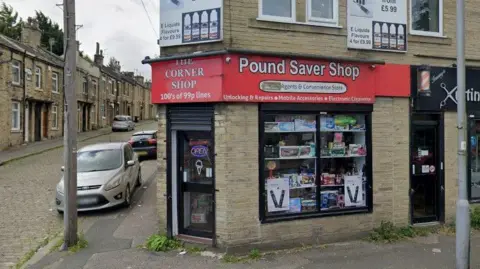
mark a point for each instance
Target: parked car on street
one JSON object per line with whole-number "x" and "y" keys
{"x": 144, "y": 143}
{"x": 123, "y": 123}
{"x": 107, "y": 174}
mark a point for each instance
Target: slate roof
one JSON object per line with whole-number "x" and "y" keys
{"x": 37, "y": 52}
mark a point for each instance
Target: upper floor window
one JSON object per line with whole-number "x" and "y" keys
{"x": 318, "y": 11}
{"x": 426, "y": 17}
{"x": 323, "y": 11}
{"x": 112, "y": 88}
{"x": 38, "y": 77}
{"x": 16, "y": 72}
{"x": 95, "y": 87}
{"x": 55, "y": 82}
{"x": 282, "y": 10}
{"x": 85, "y": 85}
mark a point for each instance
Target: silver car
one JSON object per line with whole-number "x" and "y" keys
{"x": 122, "y": 123}
{"x": 107, "y": 174}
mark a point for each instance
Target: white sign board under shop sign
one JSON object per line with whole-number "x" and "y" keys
{"x": 377, "y": 25}
{"x": 354, "y": 191}
{"x": 184, "y": 22}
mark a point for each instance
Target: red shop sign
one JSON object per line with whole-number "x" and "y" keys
{"x": 290, "y": 80}
{"x": 187, "y": 80}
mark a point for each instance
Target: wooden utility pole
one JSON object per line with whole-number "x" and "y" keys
{"x": 70, "y": 137}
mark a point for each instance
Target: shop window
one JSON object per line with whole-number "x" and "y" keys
{"x": 315, "y": 164}
{"x": 426, "y": 17}
{"x": 474, "y": 160}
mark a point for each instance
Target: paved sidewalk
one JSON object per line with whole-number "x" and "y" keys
{"x": 23, "y": 151}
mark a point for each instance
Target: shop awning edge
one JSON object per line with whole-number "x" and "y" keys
{"x": 262, "y": 53}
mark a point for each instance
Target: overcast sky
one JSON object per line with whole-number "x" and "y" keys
{"x": 120, "y": 26}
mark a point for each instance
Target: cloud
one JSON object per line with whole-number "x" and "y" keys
{"x": 120, "y": 26}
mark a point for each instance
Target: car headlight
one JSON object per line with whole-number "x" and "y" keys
{"x": 112, "y": 184}
{"x": 60, "y": 187}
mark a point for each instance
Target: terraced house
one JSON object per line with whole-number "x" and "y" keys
{"x": 306, "y": 121}
{"x": 31, "y": 91}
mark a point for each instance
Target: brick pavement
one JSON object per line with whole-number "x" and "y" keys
{"x": 27, "y": 188}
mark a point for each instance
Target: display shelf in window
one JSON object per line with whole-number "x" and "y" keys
{"x": 343, "y": 152}
{"x": 290, "y": 164}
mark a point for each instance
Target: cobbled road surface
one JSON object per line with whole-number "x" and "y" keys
{"x": 27, "y": 188}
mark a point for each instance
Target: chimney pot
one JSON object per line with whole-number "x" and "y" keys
{"x": 97, "y": 50}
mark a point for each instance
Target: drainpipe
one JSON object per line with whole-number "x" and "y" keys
{"x": 24, "y": 86}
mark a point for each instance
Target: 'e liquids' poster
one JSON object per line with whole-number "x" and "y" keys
{"x": 278, "y": 194}
{"x": 190, "y": 21}
{"x": 377, "y": 25}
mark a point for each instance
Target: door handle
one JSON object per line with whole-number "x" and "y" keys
{"x": 412, "y": 191}
{"x": 442, "y": 188}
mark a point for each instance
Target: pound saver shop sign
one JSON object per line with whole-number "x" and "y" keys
{"x": 187, "y": 80}
{"x": 290, "y": 80}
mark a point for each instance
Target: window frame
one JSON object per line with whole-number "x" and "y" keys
{"x": 54, "y": 117}
{"x": 93, "y": 114}
{"x": 18, "y": 118}
{"x": 317, "y": 110}
{"x": 95, "y": 87}
{"x": 55, "y": 86}
{"x": 38, "y": 77}
{"x": 112, "y": 87}
{"x": 290, "y": 19}
{"x": 427, "y": 33}
{"x": 85, "y": 85}
{"x": 19, "y": 68}
{"x": 311, "y": 19}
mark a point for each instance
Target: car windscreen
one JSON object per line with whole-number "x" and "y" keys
{"x": 117, "y": 118}
{"x": 141, "y": 137}
{"x": 99, "y": 160}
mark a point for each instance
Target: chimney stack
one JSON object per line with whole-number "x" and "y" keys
{"x": 31, "y": 34}
{"x": 139, "y": 79}
{"x": 98, "y": 57}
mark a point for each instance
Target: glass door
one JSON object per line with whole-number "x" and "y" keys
{"x": 474, "y": 159}
{"x": 196, "y": 181}
{"x": 425, "y": 183}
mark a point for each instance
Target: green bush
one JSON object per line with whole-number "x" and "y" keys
{"x": 388, "y": 232}
{"x": 475, "y": 217}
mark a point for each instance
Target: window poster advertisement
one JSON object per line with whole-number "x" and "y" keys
{"x": 354, "y": 191}
{"x": 377, "y": 25}
{"x": 278, "y": 194}
{"x": 190, "y": 21}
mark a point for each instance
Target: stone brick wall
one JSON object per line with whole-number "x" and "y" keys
{"x": 243, "y": 30}
{"x": 162, "y": 169}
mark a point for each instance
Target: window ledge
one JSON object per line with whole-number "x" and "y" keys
{"x": 54, "y": 129}
{"x": 438, "y": 40}
{"x": 323, "y": 214}
{"x": 55, "y": 92}
{"x": 16, "y": 131}
{"x": 39, "y": 89}
{"x": 305, "y": 27}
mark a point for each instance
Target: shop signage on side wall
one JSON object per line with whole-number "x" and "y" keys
{"x": 272, "y": 79}
{"x": 377, "y": 25}
{"x": 444, "y": 94}
{"x": 188, "y": 22}
{"x": 187, "y": 80}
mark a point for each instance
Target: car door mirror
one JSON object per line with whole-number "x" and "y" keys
{"x": 62, "y": 168}
{"x": 130, "y": 163}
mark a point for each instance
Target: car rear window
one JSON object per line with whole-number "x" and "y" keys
{"x": 119, "y": 118}
{"x": 142, "y": 137}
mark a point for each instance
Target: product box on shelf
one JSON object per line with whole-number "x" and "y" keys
{"x": 271, "y": 127}
{"x": 307, "y": 180}
{"x": 329, "y": 199}
{"x": 307, "y": 151}
{"x": 305, "y": 125}
{"x": 357, "y": 149}
{"x": 294, "y": 180}
{"x": 289, "y": 151}
{"x": 308, "y": 205}
{"x": 295, "y": 205}
{"x": 286, "y": 126}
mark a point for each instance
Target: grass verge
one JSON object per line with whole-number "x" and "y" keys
{"x": 30, "y": 253}
{"x": 387, "y": 232}
{"x": 158, "y": 242}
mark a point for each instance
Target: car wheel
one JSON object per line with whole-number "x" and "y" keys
{"x": 139, "y": 178}
{"x": 128, "y": 196}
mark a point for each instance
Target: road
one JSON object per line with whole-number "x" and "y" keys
{"x": 27, "y": 189}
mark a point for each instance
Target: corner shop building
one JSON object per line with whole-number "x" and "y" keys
{"x": 263, "y": 148}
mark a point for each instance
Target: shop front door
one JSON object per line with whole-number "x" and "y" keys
{"x": 196, "y": 215}
{"x": 426, "y": 181}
